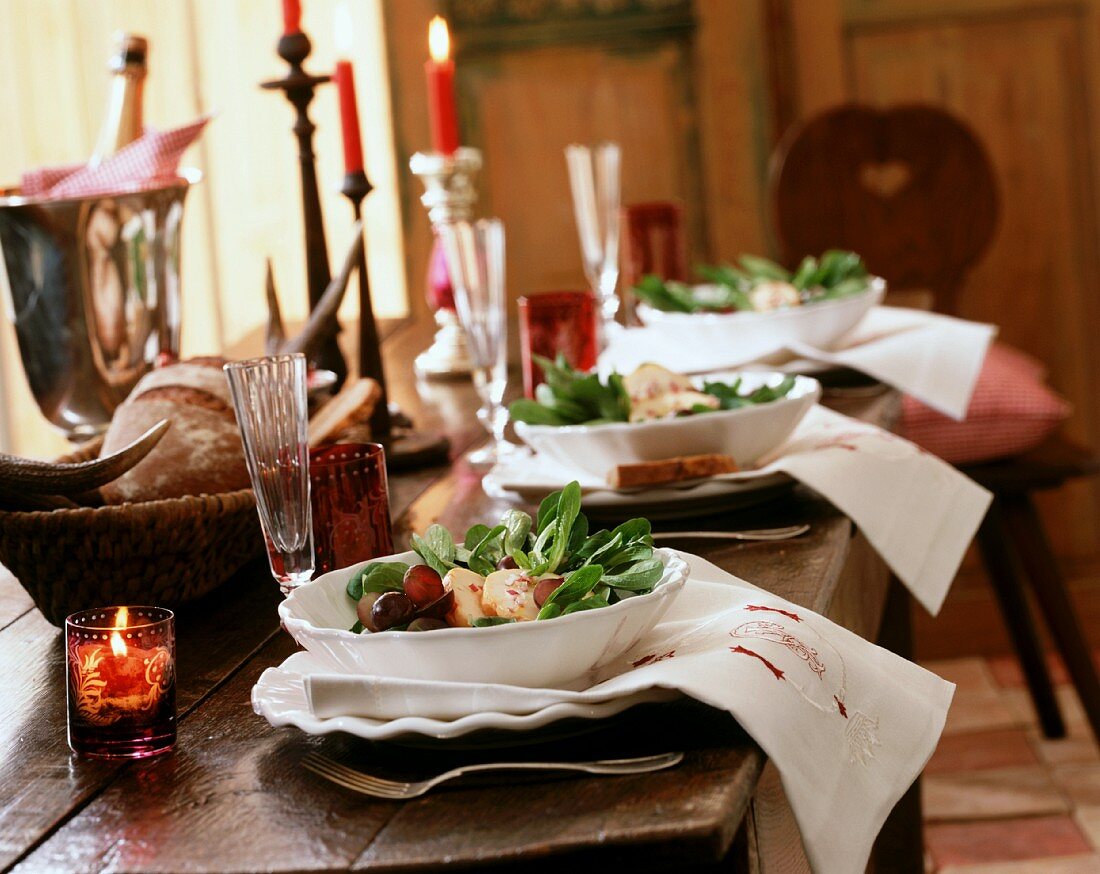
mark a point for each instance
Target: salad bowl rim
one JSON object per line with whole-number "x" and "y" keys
{"x": 672, "y": 580}
{"x": 876, "y": 287}
{"x": 811, "y": 390}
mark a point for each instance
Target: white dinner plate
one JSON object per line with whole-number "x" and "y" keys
{"x": 279, "y": 696}
{"x": 527, "y": 477}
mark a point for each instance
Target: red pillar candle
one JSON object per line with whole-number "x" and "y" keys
{"x": 292, "y": 17}
{"x": 440, "y": 71}
{"x": 349, "y": 117}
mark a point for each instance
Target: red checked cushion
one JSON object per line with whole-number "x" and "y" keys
{"x": 1012, "y": 411}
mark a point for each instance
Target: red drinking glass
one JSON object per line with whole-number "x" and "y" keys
{"x": 120, "y": 669}
{"x": 553, "y": 323}
{"x": 351, "y": 504}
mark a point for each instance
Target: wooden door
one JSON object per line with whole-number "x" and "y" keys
{"x": 1023, "y": 75}
{"x": 533, "y": 77}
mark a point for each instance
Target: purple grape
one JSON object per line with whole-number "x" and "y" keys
{"x": 391, "y": 608}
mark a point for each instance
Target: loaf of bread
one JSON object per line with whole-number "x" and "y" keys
{"x": 670, "y": 470}
{"x": 200, "y": 454}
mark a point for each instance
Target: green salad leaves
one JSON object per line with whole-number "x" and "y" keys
{"x": 598, "y": 569}
{"x": 570, "y": 397}
{"x": 835, "y": 274}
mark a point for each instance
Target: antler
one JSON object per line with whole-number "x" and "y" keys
{"x": 24, "y": 476}
{"x": 276, "y": 330}
{"x": 320, "y": 321}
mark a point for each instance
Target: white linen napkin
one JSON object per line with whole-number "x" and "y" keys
{"x": 934, "y": 358}
{"x": 849, "y": 725}
{"x": 919, "y": 513}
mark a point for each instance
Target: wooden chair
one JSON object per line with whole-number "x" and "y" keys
{"x": 653, "y": 238}
{"x": 911, "y": 189}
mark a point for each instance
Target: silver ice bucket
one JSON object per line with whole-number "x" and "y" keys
{"x": 94, "y": 293}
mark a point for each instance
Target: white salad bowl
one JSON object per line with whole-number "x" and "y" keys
{"x": 547, "y": 653}
{"x": 745, "y": 434}
{"x": 817, "y": 324}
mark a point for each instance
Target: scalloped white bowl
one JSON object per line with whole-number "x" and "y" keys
{"x": 746, "y": 433}
{"x": 534, "y": 654}
{"x": 819, "y": 325}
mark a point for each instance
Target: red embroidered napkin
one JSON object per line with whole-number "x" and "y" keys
{"x": 146, "y": 162}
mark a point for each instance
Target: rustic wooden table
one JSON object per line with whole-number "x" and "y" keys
{"x": 233, "y": 796}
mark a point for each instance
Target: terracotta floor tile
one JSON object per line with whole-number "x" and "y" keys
{"x": 1088, "y": 864}
{"x": 984, "y": 710}
{"x": 1080, "y": 782}
{"x": 1019, "y": 702}
{"x": 1008, "y": 674}
{"x": 1004, "y": 840}
{"x": 971, "y": 751}
{"x": 1079, "y": 745}
{"x": 1088, "y": 818}
{"x": 999, "y": 794}
{"x": 969, "y": 674}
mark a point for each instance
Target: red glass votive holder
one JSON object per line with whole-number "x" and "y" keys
{"x": 121, "y": 681}
{"x": 557, "y": 323}
{"x": 351, "y": 504}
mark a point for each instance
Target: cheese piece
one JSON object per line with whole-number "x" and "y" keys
{"x": 656, "y": 392}
{"x": 510, "y": 594}
{"x": 774, "y": 296}
{"x": 652, "y": 381}
{"x": 467, "y": 587}
{"x": 670, "y": 405}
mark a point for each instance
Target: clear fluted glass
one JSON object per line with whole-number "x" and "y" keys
{"x": 594, "y": 177}
{"x": 269, "y": 397}
{"x": 475, "y": 260}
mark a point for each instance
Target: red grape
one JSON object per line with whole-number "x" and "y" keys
{"x": 507, "y": 563}
{"x": 544, "y": 588}
{"x": 439, "y": 608}
{"x": 363, "y": 608}
{"x": 423, "y": 585}
{"x": 391, "y": 608}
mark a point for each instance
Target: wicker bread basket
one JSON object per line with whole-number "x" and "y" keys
{"x": 162, "y": 553}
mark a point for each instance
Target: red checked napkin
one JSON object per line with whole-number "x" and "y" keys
{"x": 145, "y": 163}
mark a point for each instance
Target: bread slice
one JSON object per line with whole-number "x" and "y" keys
{"x": 346, "y": 414}
{"x": 670, "y": 470}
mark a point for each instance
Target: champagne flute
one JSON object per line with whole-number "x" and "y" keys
{"x": 475, "y": 260}
{"x": 269, "y": 398}
{"x": 594, "y": 177}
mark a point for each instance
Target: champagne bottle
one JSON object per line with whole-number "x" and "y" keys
{"x": 123, "y": 122}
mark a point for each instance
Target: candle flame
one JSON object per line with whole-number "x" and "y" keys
{"x": 345, "y": 30}
{"x": 439, "y": 39}
{"x": 118, "y": 645}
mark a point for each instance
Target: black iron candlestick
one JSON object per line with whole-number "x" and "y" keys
{"x": 356, "y": 186}
{"x": 405, "y": 447}
{"x": 298, "y": 86}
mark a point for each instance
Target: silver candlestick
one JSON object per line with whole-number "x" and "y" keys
{"x": 449, "y": 196}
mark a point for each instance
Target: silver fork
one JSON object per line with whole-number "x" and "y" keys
{"x": 368, "y": 784}
{"x": 758, "y": 534}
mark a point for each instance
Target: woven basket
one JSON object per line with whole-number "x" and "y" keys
{"x": 161, "y": 553}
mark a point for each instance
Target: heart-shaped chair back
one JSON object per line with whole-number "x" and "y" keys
{"x": 910, "y": 188}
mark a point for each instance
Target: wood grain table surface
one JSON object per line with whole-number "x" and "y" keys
{"x": 233, "y": 796}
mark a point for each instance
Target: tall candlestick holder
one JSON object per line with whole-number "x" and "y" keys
{"x": 298, "y": 87}
{"x": 449, "y": 196}
{"x": 406, "y": 447}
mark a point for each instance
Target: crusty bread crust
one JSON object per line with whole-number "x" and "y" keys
{"x": 201, "y": 452}
{"x": 202, "y": 374}
{"x": 346, "y": 417}
{"x": 669, "y": 470}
